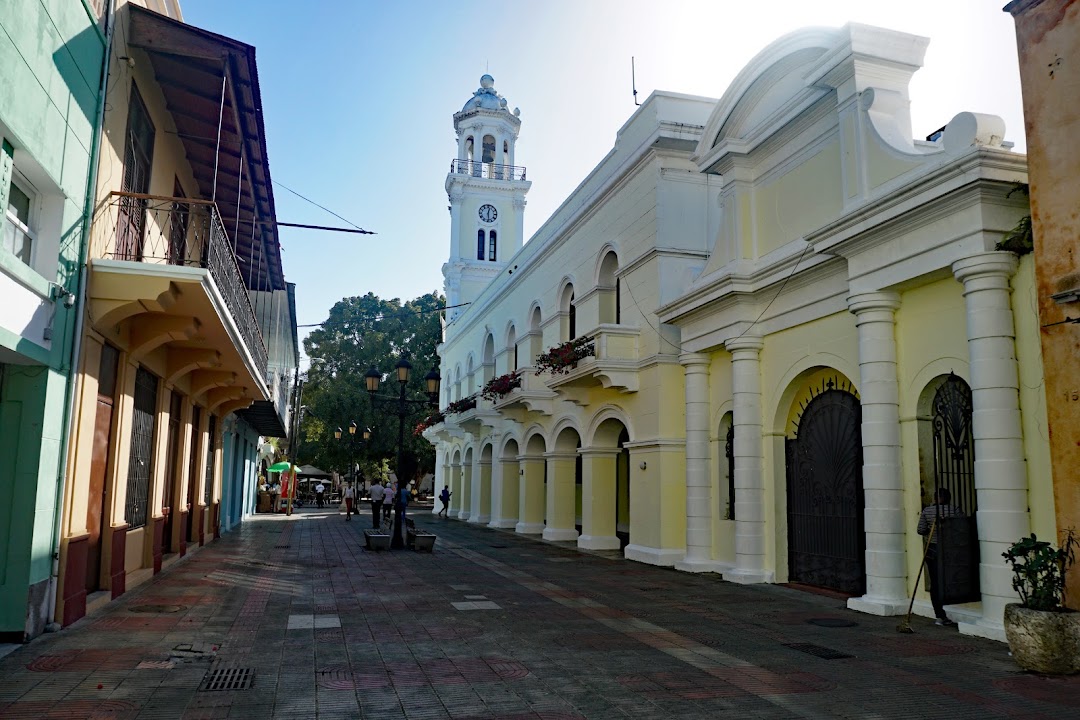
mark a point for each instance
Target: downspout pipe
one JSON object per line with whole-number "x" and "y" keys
{"x": 80, "y": 308}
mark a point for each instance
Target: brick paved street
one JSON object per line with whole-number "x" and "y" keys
{"x": 494, "y": 626}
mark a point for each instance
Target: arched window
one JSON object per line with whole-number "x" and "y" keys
{"x": 489, "y": 149}
{"x": 573, "y": 318}
{"x": 479, "y": 244}
{"x": 491, "y": 245}
{"x": 469, "y": 149}
{"x": 608, "y": 287}
{"x": 506, "y": 153}
{"x": 511, "y": 345}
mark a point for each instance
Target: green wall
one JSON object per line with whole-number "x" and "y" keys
{"x": 51, "y": 53}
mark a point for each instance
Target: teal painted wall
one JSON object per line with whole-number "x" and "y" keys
{"x": 51, "y": 54}
{"x": 238, "y": 474}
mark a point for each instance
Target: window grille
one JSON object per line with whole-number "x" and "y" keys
{"x": 491, "y": 246}
{"x": 479, "y": 244}
{"x": 140, "y": 462}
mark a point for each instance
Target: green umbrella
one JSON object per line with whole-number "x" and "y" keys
{"x": 280, "y": 467}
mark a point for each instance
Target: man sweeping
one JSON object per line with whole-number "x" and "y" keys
{"x": 931, "y": 514}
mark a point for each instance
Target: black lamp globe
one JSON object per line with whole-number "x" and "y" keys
{"x": 372, "y": 378}
{"x": 337, "y": 434}
{"x": 352, "y": 428}
{"x": 432, "y": 380}
{"x": 404, "y": 370}
{"x": 367, "y": 434}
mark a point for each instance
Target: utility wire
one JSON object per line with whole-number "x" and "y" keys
{"x": 385, "y": 317}
{"x": 323, "y": 207}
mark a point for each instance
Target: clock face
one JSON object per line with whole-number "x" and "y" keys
{"x": 488, "y": 213}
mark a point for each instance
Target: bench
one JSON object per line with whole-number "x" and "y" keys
{"x": 420, "y": 540}
{"x": 376, "y": 539}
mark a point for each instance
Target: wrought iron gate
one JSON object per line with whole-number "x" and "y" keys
{"x": 826, "y": 545}
{"x": 954, "y": 470}
{"x": 140, "y": 461}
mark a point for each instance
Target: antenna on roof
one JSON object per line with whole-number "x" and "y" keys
{"x": 633, "y": 80}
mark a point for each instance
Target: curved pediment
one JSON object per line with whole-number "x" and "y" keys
{"x": 764, "y": 93}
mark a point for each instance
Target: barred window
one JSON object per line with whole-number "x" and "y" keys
{"x": 141, "y": 459}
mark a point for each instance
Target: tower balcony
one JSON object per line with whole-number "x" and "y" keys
{"x": 487, "y": 171}
{"x": 163, "y": 268}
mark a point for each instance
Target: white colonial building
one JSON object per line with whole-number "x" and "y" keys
{"x": 796, "y": 328}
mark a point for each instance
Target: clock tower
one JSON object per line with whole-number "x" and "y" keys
{"x": 487, "y": 196}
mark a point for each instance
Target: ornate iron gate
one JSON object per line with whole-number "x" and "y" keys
{"x": 140, "y": 461}
{"x": 954, "y": 470}
{"x": 826, "y": 545}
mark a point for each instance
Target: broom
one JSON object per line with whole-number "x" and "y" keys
{"x": 905, "y": 627}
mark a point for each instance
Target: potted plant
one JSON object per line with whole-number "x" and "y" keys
{"x": 564, "y": 358}
{"x": 459, "y": 406}
{"x": 1043, "y": 634}
{"x": 497, "y": 387}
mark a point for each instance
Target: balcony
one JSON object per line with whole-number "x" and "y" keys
{"x": 614, "y": 364}
{"x": 487, "y": 171}
{"x": 533, "y": 397}
{"x": 166, "y": 267}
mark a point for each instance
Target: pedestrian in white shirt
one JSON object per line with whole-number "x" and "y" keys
{"x": 377, "y": 492}
{"x": 350, "y": 497}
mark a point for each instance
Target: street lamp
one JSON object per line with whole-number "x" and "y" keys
{"x": 400, "y": 406}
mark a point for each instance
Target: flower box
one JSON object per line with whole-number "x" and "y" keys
{"x": 500, "y": 386}
{"x": 564, "y": 358}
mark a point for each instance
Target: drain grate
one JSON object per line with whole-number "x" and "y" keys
{"x": 282, "y": 547}
{"x": 228, "y": 679}
{"x": 499, "y": 547}
{"x": 818, "y": 651}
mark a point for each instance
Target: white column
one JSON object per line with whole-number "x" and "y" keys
{"x": 1000, "y": 472}
{"x": 749, "y": 478}
{"x": 474, "y": 494}
{"x": 883, "y": 486}
{"x": 699, "y": 504}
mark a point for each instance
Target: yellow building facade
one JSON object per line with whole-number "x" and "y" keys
{"x": 171, "y": 344}
{"x": 794, "y": 330}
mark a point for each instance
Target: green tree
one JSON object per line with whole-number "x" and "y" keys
{"x": 361, "y": 332}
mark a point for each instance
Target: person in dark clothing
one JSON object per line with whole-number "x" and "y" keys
{"x": 444, "y": 496}
{"x": 931, "y": 514}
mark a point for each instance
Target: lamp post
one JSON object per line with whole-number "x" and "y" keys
{"x": 365, "y": 436}
{"x": 401, "y": 405}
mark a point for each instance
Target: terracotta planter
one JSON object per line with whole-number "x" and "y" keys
{"x": 1041, "y": 641}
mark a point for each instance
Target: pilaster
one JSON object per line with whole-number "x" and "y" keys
{"x": 699, "y": 504}
{"x": 532, "y": 497}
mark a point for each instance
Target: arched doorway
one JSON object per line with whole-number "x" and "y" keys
{"x": 605, "y": 488}
{"x": 945, "y": 430}
{"x": 455, "y": 484}
{"x": 826, "y": 544}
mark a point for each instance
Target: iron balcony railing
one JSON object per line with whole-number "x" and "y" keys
{"x": 489, "y": 171}
{"x": 161, "y": 230}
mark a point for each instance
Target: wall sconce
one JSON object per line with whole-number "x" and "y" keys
{"x": 642, "y": 465}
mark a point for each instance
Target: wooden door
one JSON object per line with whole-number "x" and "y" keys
{"x": 171, "y": 475}
{"x": 97, "y": 505}
{"x": 193, "y": 470}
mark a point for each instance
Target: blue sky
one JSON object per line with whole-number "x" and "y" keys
{"x": 358, "y": 99}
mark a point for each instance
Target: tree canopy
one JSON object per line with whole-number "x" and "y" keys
{"x": 362, "y": 332}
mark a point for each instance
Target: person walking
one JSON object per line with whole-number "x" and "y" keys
{"x": 444, "y": 496}
{"x": 931, "y": 518}
{"x": 377, "y": 493}
{"x": 319, "y": 490}
{"x": 388, "y": 500}
{"x": 350, "y": 497}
